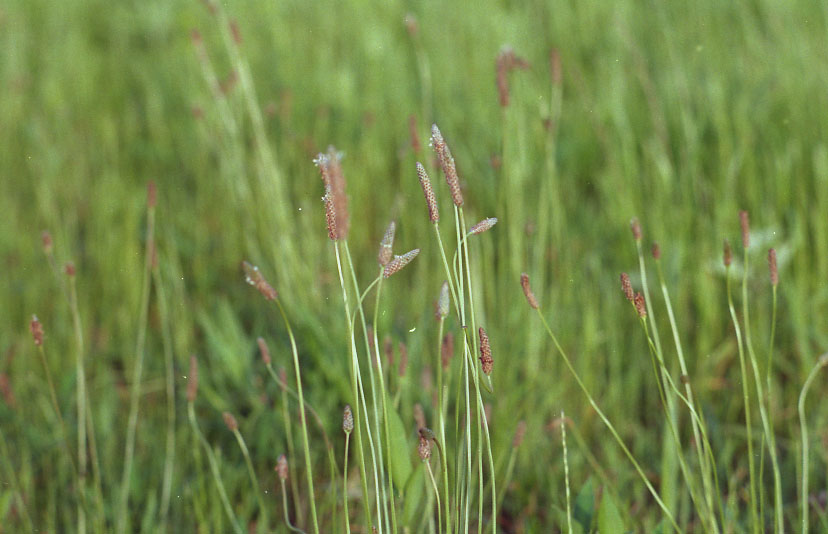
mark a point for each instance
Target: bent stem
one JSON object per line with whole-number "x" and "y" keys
{"x": 609, "y": 425}
{"x": 285, "y": 507}
{"x": 803, "y": 428}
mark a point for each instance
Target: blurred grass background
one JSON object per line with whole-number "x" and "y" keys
{"x": 678, "y": 113}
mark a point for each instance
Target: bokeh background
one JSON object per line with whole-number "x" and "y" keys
{"x": 681, "y": 114}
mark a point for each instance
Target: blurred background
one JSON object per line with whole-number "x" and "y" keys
{"x": 681, "y": 114}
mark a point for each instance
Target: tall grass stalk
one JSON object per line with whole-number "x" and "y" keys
{"x": 610, "y": 427}
{"x": 137, "y": 372}
{"x": 566, "y": 474}
{"x": 81, "y": 396}
{"x": 262, "y": 522}
{"x": 14, "y": 482}
{"x": 803, "y": 430}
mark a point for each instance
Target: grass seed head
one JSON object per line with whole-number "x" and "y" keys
{"x": 347, "y": 419}
{"x": 744, "y": 222}
{"x": 424, "y": 449}
{"x": 387, "y": 244}
{"x": 419, "y": 415}
{"x": 446, "y": 161}
{"x": 635, "y": 227}
{"x": 640, "y": 305}
{"x": 403, "y": 359}
{"x": 230, "y": 421}
{"x": 486, "y": 361}
{"x": 626, "y": 287}
{"x": 506, "y": 62}
{"x": 46, "y": 241}
{"x": 282, "y": 467}
{"x": 264, "y": 350}
{"x": 416, "y": 146}
{"x": 69, "y": 269}
{"x": 192, "y": 379}
{"x": 727, "y": 256}
{"x": 482, "y": 226}
{"x": 335, "y": 199}
{"x": 443, "y": 301}
{"x": 6, "y": 391}
{"x": 520, "y": 433}
{"x": 774, "y": 272}
{"x": 36, "y": 328}
{"x": 527, "y": 291}
{"x": 428, "y": 192}
{"x": 399, "y": 262}
{"x": 254, "y": 277}
{"x": 447, "y": 350}
{"x": 152, "y": 194}
{"x": 656, "y": 252}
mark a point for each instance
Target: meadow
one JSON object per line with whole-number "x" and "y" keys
{"x": 148, "y": 149}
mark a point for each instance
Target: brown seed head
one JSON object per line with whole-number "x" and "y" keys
{"x": 447, "y": 350}
{"x": 520, "y": 433}
{"x": 152, "y": 194}
{"x": 555, "y": 66}
{"x": 230, "y": 421}
{"x": 656, "y": 252}
{"x": 264, "y": 350}
{"x": 387, "y": 244}
{"x": 6, "y": 391}
{"x": 283, "y": 378}
{"x": 527, "y": 291}
{"x": 635, "y": 226}
{"x": 482, "y": 226}
{"x": 728, "y": 253}
{"x": 424, "y": 449}
{"x": 403, "y": 359}
{"x": 347, "y": 419}
{"x": 506, "y": 62}
{"x": 335, "y": 199}
{"x": 330, "y": 216}
{"x": 235, "y": 32}
{"x": 428, "y": 191}
{"x": 69, "y": 268}
{"x": 399, "y": 262}
{"x": 774, "y": 272}
{"x": 411, "y": 24}
{"x": 388, "y": 350}
{"x": 416, "y": 146}
{"x": 443, "y": 301}
{"x": 37, "y": 330}
{"x": 447, "y": 164}
{"x": 744, "y": 222}
{"x": 640, "y": 305}
{"x": 282, "y": 467}
{"x": 254, "y": 277}
{"x": 626, "y": 287}
{"x": 46, "y": 240}
{"x": 486, "y": 361}
{"x": 192, "y": 379}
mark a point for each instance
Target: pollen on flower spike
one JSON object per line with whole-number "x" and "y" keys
{"x": 486, "y": 361}
{"x": 399, "y": 262}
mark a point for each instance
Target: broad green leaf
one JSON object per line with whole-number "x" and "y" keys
{"x": 584, "y": 508}
{"x": 414, "y": 496}
{"x": 609, "y": 517}
{"x": 401, "y": 450}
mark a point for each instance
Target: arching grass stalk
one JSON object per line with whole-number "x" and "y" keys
{"x": 302, "y": 417}
{"x": 745, "y": 397}
{"x": 233, "y": 426}
{"x": 566, "y": 474}
{"x": 704, "y": 465}
{"x": 764, "y": 415}
{"x": 214, "y": 469}
{"x": 803, "y": 429}
{"x": 137, "y": 372}
{"x": 353, "y": 371}
{"x": 166, "y": 340}
{"x": 436, "y": 495}
{"x": 609, "y": 425}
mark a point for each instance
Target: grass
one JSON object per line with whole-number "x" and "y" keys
{"x": 679, "y": 114}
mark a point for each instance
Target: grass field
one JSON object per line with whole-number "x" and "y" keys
{"x": 681, "y": 114}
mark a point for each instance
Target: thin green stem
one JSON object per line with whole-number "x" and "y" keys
{"x": 566, "y": 474}
{"x": 81, "y": 401}
{"x": 214, "y": 468}
{"x": 17, "y": 492}
{"x": 803, "y": 429}
{"x": 285, "y": 508}
{"x": 345, "y": 485}
{"x": 262, "y": 523}
{"x": 436, "y": 494}
{"x": 169, "y": 455}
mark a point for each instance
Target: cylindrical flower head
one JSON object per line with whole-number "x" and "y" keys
{"x": 640, "y": 305}
{"x": 447, "y": 350}
{"x": 254, "y": 277}
{"x": 626, "y": 287}
{"x": 46, "y": 240}
{"x": 486, "y": 361}
{"x": 424, "y": 449}
{"x": 520, "y": 433}
{"x": 656, "y": 252}
{"x": 37, "y": 330}
{"x": 152, "y": 194}
{"x": 744, "y": 222}
{"x": 347, "y": 419}
{"x": 447, "y": 164}
{"x": 282, "y": 467}
{"x": 419, "y": 415}
{"x": 527, "y": 291}
{"x": 443, "y": 301}
{"x": 264, "y": 350}
{"x": 774, "y": 272}
{"x": 399, "y": 262}
{"x": 192, "y": 379}
{"x": 230, "y": 421}
{"x": 482, "y": 226}
{"x": 428, "y": 192}
{"x": 69, "y": 268}
{"x": 387, "y": 244}
{"x": 635, "y": 227}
